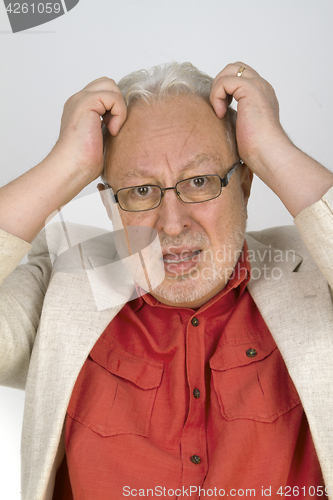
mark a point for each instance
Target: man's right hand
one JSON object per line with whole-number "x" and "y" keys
{"x": 80, "y": 136}
{"x": 74, "y": 162}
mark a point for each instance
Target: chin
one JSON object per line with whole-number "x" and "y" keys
{"x": 204, "y": 281}
{"x": 190, "y": 288}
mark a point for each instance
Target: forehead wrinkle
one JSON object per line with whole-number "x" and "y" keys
{"x": 196, "y": 162}
{"x": 137, "y": 173}
{"x": 191, "y": 132}
{"x": 201, "y": 158}
{"x": 156, "y": 133}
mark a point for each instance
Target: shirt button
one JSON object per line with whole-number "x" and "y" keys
{"x": 196, "y": 393}
{"x": 251, "y": 353}
{"x": 195, "y": 321}
{"x": 195, "y": 459}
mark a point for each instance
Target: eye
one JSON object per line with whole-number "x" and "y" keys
{"x": 142, "y": 191}
{"x": 199, "y": 182}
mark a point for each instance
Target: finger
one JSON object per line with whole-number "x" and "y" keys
{"x": 108, "y": 104}
{"x": 106, "y": 119}
{"x": 233, "y": 86}
{"x": 223, "y": 90}
{"x": 115, "y": 112}
{"x": 220, "y": 101}
{"x": 221, "y": 95}
{"x": 103, "y": 83}
{"x": 232, "y": 69}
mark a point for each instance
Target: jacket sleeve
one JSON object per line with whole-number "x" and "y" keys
{"x": 22, "y": 291}
{"x": 315, "y": 225}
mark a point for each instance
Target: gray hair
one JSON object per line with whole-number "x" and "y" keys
{"x": 164, "y": 81}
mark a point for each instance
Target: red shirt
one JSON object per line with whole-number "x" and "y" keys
{"x": 172, "y": 400}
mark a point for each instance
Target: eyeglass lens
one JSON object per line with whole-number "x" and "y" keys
{"x": 193, "y": 190}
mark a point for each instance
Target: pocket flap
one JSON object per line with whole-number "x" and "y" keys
{"x": 233, "y": 356}
{"x": 146, "y": 374}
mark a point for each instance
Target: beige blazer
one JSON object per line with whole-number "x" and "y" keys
{"x": 291, "y": 293}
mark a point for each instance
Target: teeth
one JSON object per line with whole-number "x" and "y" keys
{"x": 168, "y": 261}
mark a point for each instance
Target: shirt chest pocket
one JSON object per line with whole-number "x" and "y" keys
{"x": 252, "y": 382}
{"x": 115, "y": 392}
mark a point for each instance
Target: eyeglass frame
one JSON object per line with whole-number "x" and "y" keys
{"x": 223, "y": 180}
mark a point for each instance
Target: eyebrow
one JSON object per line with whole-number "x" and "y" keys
{"x": 195, "y": 163}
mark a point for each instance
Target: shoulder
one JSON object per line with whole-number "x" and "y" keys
{"x": 281, "y": 237}
{"x": 66, "y": 244}
{"x": 282, "y": 240}
{"x": 57, "y": 237}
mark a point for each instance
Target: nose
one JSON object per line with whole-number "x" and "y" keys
{"x": 173, "y": 214}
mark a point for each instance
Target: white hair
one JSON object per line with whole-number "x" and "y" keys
{"x": 159, "y": 83}
{"x": 162, "y": 81}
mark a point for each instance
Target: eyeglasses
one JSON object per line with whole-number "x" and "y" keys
{"x": 193, "y": 190}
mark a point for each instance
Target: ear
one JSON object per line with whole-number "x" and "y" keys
{"x": 245, "y": 179}
{"x": 111, "y": 206}
{"x": 105, "y": 197}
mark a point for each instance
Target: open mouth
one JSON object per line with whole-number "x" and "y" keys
{"x": 174, "y": 258}
{"x": 179, "y": 264}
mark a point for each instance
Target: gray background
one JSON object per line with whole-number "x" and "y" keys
{"x": 288, "y": 41}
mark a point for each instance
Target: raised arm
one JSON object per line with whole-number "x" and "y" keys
{"x": 298, "y": 180}
{"x": 74, "y": 162}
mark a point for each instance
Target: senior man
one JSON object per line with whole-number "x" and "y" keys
{"x": 213, "y": 384}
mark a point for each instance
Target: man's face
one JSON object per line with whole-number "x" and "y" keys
{"x": 163, "y": 144}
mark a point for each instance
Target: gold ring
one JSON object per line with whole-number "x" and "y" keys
{"x": 240, "y": 71}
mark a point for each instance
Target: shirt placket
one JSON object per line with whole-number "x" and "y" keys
{"x": 194, "y": 438}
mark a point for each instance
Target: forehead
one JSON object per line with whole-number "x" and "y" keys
{"x": 166, "y": 138}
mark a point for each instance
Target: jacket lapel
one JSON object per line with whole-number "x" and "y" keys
{"x": 70, "y": 325}
{"x": 296, "y": 305}
{"x": 89, "y": 286}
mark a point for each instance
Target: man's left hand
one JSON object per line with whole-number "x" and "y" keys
{"x": 258, "y": 124}
{"x": 297, "y": 179}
